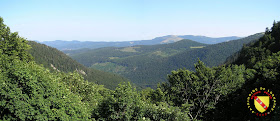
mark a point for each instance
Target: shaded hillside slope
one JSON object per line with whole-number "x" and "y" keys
{"x": 54, "y": 59}
{"x": 212, "y": 55}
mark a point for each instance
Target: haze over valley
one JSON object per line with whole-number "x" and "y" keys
{"x": 75, "y": 44}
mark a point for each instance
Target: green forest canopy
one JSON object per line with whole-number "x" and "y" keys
{"x": 31, "y": 92}
{"x": 56, "y": 60}
{"x": 148, "y": 65}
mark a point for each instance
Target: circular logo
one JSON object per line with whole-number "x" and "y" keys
{"x": 261, "y": 101}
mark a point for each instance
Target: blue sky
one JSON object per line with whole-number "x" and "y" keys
{"x": 124, "y": 20}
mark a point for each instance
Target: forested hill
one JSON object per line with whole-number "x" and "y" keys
{"x": 96, "y": 56}
{"x": 263, "y": 58}
{"x": 152, "y": 67}
{"x": 212, "y": 55}
{"x": 256, "y": 51}
{"x": 209, "y": 40}
{"x": 56, "y": 60}
{"x": 155, "y": 70}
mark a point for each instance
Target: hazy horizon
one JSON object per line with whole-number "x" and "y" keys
{"x": 136, "y": 40}
{"x": 126, "y": 20}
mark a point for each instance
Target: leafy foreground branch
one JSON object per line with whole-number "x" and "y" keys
{"x": 198, "y": 92}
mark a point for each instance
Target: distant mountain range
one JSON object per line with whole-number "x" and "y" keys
{"x": 147, "y": 65}
{"x": 73, "y": 45}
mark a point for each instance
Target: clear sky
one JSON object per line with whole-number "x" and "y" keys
{"x": 124, "y": 20}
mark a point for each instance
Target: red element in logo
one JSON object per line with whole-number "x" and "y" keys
{"x": 260, "y": 102}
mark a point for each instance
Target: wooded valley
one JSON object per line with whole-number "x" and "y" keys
{"x": 189, "y": 80}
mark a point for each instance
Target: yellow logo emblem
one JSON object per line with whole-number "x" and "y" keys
{"x": 261, "y": 103}
{"x": 263, "y": 100}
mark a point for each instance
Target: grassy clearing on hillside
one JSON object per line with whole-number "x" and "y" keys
{"x": 197, "y": 47}
{"x": 109, "y": 67}
{"x": 160, "y": 53}
{"x": 129, "y": 49}
{"x": 111, "y": 58}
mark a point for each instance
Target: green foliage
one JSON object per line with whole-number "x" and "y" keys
{"x": 262, "y": 57}
{"x": 13, "y": 45}
{"x": 56, "y": 60}
{"x": 264, "y": 47}
{"x": 157, "y": 96}
{"x": 122, "y": 104}
{"x": 125, "y": 103}
{"x": 201, "y": 90}
{"x": 90, "y": 93}
{"x": 29, "y": 92}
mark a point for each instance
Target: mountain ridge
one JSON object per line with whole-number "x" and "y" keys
{"x": 153, "y": 66}
{"x": 73, "y": 45}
